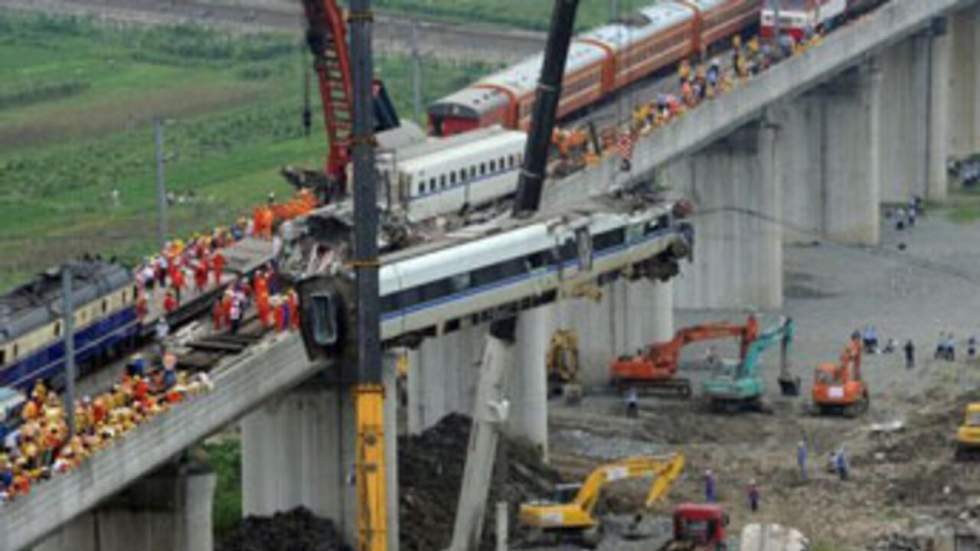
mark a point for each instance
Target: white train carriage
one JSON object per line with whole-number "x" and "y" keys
{"x": 429, "y": 293}
{"x": 444, "y": 176}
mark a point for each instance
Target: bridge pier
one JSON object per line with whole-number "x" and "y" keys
{"x": 169, "y": 510}
{"x": 443, "y": 372}
{"x": 964, "y": 82}
{"x": 735, "y": 185}
{"x": 829, "y": 159}
{"x": 299, "y": 450}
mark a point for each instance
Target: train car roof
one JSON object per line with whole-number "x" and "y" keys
{"x": 465, "y": 102}
{"x": 445, "y": 151}
{"x": 591, "y": 210}
{"x": 436, "y": 145}
{"x": 38, "y": 302}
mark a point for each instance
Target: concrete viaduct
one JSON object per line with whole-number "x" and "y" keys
{"x": 807, "y": 150}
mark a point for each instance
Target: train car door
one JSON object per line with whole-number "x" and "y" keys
{"x": 583, "y": 240}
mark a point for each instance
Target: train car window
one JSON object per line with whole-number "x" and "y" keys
{"x": 389, "y": 303}
{"x": 484, "y": 276}
{"x": 408, "y": 298}
{"x": 452, "y": 178}
{"x": 324, "y": 313}
{"x": 460, "y": 282}
{"x": 511, "y": 160}
{"x": 473, "y": 172}
{"x": 609, "y": 239}
{"x": 483, "y": 168}
{"x": 105, "y": 306}
{"x": 442, "y": 181}
{"x": 432, "y": 183}
{"x": 3, "y": 356}
{"x": 493, "y": 166}
{"x": 502, "y": 164}
{"x": 57, "y": 329}
{"x": 16, "y": 351}
{"x": 569, "y": 250}
{"x": 436, "y": 290}
{"x": 539, "y": 260}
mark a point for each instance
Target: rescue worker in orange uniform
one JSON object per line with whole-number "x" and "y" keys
{"x": 217, "y": 266}
{"x": 170, "y": 302}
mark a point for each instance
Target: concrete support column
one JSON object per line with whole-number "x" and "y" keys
{"x": 662, "y": 315}
{"x": 905, "y": 101}
{"x": 964, "y": 41}
{"x": 169, "y": 510}
{"x": 650, "y": 314}
{"x": 735, "y": 185}
{"x": 939, "y": 110}
{"x": 851, "y": 156}
{"x": 442, "y": 376}
{"x": 390, "y": 375}
{"x": 299, "y": 449}
{"x": 529, "y": 383}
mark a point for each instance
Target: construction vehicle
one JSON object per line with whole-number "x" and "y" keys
{"x": 740, "y": 386}
{"x": 326, "y": 36}
{"x": 968, "y": 434}
{"x": 696, "y": 527}
{"x": 570, "y": 516}
{"x": 562, "y": 362}
{"x": 656, "y": 368}
{"x": 839, "y": 387}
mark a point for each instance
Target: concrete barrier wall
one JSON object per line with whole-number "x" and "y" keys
{"x": 243, "y": 383}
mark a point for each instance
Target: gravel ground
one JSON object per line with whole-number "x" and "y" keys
{"x": 901, "y": 480}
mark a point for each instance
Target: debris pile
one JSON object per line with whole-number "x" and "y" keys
{"x": 430, "y": 472}
{"x": 297, "y": 529}
{"x": 897, "y": 541}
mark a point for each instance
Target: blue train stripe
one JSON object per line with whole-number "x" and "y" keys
{"x": 517, "y": 278}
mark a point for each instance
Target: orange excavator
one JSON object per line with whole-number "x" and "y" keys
{"x": 839, "y": 387}
{"x": 656, "y": 369}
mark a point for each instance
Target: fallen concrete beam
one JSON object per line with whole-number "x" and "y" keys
{"x": 241, "y": 383}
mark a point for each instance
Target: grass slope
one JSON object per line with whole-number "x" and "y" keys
{"x": 533, "y": 15}
{"x": 76, "y": 104}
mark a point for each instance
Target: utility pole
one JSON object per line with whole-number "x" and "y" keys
{"x": 307, "y": 111}
{"x": 161, "y": 185}
{"x": 776, "y": 23}
{"x": 416, "y": 72}
{"x": 68, "y": 323}
{"x": 613, "y": 10}
{"x": 369, "y": 393}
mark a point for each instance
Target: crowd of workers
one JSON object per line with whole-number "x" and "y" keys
{"x": 43, "y": 446}
{"x": 697, "y": 82}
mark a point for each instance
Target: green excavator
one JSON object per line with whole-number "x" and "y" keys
{"x": 739, "y": 386}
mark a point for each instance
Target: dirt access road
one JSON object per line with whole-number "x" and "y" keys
{"x": 901, "y": 481}
{"x": 392, "y": 34}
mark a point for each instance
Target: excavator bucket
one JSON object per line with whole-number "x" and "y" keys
{"x": 789, "y": 385}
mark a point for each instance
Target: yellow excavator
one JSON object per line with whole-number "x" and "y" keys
{"x": 570, "y": 516}
{"x": 968, "y": 433}
{"x": 562, "y": 362}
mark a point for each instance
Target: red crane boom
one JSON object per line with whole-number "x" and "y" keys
{"x": 326, "y": 36}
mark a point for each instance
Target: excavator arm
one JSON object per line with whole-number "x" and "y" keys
{"x": 578, "y": 514}
{"x": 666, "y": 356}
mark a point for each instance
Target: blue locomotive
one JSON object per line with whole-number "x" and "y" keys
{"x": 32, "y": 341}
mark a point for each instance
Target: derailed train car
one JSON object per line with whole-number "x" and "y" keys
{"x": 488, "y": 274}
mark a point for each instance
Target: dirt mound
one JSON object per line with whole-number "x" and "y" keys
{"x": 297, "y": 530}
{"x": 430, "y": 472}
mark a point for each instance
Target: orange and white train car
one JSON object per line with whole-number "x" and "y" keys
{"x": 600, "y": 62}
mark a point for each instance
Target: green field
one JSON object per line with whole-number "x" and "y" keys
{"x": 76, "y": 104}
{"x": 517, "y": 13}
